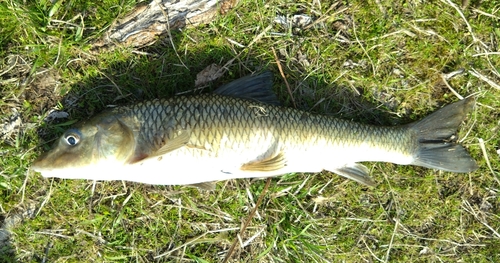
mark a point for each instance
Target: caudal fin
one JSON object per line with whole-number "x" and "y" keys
{"x": 437, "y": 147}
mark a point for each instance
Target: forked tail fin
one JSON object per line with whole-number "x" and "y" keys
{"x": 437, "y": 147}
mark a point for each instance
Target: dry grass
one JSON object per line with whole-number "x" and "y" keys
{"x": 382, "y": 63}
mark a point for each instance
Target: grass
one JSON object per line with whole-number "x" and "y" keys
{"x": 378, "y": 63}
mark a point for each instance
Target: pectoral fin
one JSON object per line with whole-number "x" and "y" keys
{"x": 271, "y": 164}
{"x": 170, "y": 145}
{"x": 356, "y": 172}
{"x": 175, "y": 143}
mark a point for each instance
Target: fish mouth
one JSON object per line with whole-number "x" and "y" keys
{"x": 38, "y": 164}
{"x": 46, "y": 164}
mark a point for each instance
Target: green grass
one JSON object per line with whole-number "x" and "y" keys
{"x": 373, "y": 63}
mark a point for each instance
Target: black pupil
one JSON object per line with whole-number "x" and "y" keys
{"x": 71, "y": 140}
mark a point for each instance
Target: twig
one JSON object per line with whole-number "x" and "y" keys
{"x": 257, "y": 38}
{"x": 396, "y": 220}
{"x": 247, "y": 222}
{"x": 250, "y": 196}
{"x": 235, "y": 43}
{"x": 362, "y": 47}
{"x": 401, "y": 31}
{"x": 485, "y": 154}
{"x": 325, "y": 16}
{"x": 114, "y": 84}
{"x": 484, "y": 13}
{"x": 284, "y": 78}
{"x": 225, "y": 217}
{"x": 443, "y": 77}
{"x": 165, "y": 14}
{"x": 13, "y": 65}
{"x": 392, "y": 240}
{"x": 58, "y": 51}
{"x": 23, "y": 187}
{"x": 98, "y": 238}
{"x": 463, "y": 17}
{"x": 51, "y": 234}
{"x": 246, "y": 243}
{"x": 486, "y": 54}
{"x": 429, "y": 32}
{"x": 453, "y": 74}
{"x": 302, "y": 185}
{"x": 194, "y": 241}
{"x": 371, "y": 252}
{"x": 466, "y": 204}
{"x": 46, "y": 199}
{"x": 478, "y": 75}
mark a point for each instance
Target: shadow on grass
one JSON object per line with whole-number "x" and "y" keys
{"x": 157, "y": 73}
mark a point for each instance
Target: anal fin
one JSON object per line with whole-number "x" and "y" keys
{"x": 356, "y": 172}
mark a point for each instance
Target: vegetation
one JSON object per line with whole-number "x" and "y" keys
{"x": 381, "y": 62}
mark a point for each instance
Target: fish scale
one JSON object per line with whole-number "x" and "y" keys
{"x": 293, "y": 130}
{"x": 240, "y": 131}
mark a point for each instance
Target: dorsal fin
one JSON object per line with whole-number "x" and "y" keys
{"x": 254, "y": 87}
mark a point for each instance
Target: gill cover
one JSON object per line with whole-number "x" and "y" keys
{"x": 113, "y": 139}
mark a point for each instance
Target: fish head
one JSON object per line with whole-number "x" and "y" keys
{"x": 105, "y": 141}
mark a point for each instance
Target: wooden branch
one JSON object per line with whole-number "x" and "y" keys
{"x": 142, "y": 25}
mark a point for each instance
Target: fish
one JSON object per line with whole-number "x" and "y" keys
{"x": 241, "y": 131}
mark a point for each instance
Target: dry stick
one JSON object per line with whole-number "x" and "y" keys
{"x": 165, "y": 14}
{"x": 450, "y": 3}
{"x": 23, "y": 187}
{"x": 484, "y": 13}
{"x": 247, "y": 222}
{"x": 283, "y": 76}
{"x": 193, "y": 241}
{"x": 13, "y": 65}
{"x": 486, "y": 54}
{"x": 114, "y": 83}
{"x": 468, "y": 207}
{"x": 387, "y": 255}
{"x": 257, "y": 38}
{"x": 450, "y": 88}
{"x": 362, "y": 47}
{"x": 485, "y": 154}
{"x": 478, "y": 75}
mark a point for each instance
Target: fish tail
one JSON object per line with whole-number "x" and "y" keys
{"x": 436, "y": 141}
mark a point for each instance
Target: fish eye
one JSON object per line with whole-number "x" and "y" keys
{"x": 72, "y": 138}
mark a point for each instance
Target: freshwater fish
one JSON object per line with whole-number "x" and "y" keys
{"x": 240, "y": 131}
